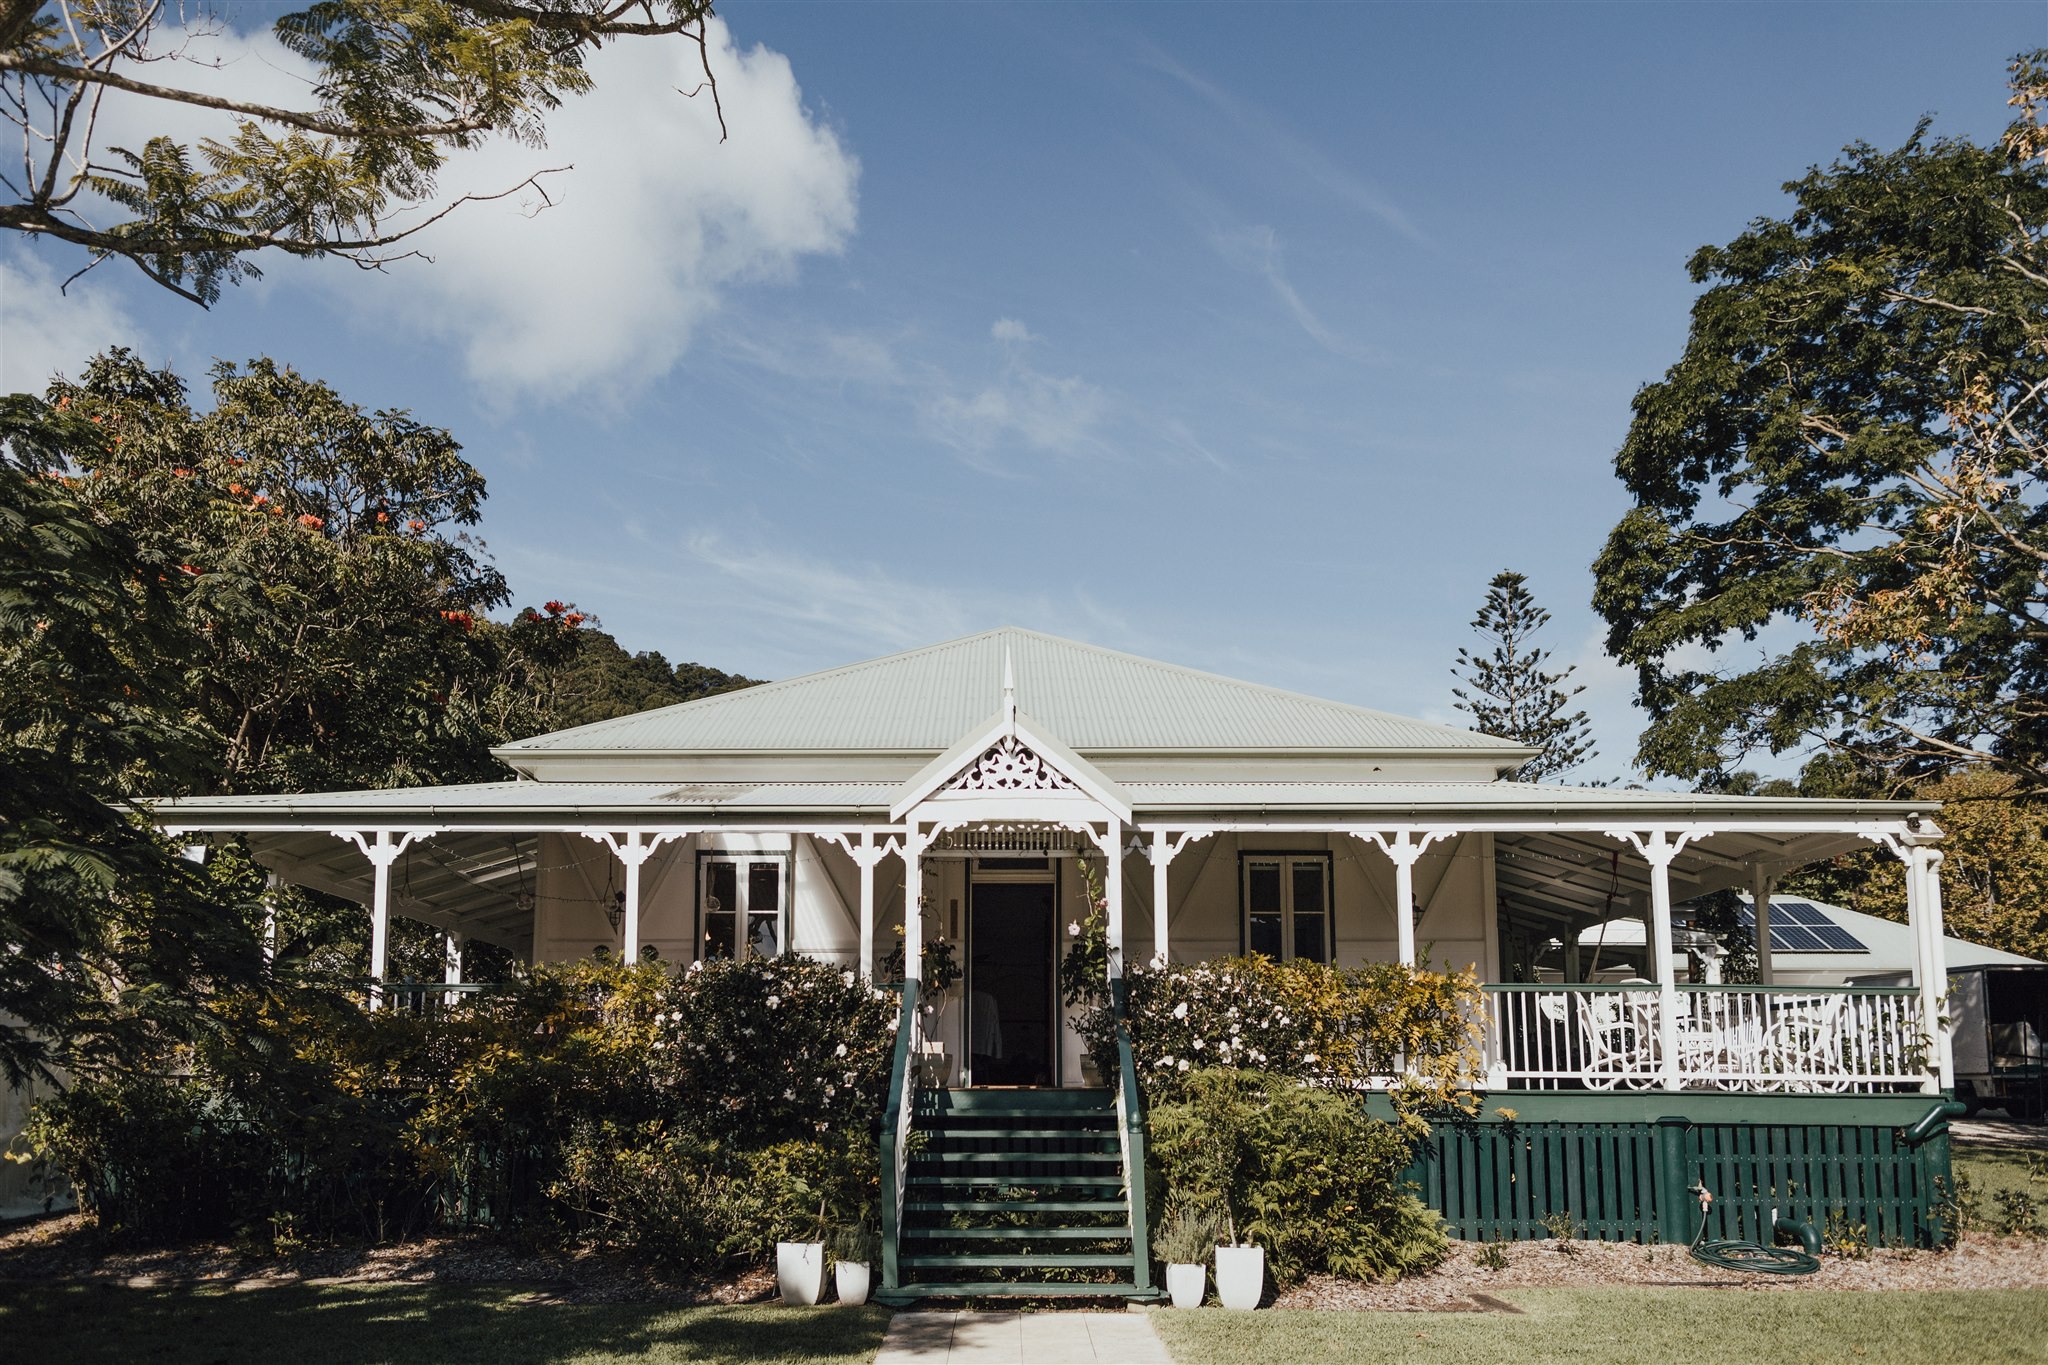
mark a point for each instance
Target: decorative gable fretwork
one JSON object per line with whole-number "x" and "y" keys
{"x": 1008, "y": 766}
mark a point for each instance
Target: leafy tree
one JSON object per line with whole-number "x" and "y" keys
{"x": 1853, "y": 453}
{"x": 331, "y": 602}
{"x": 400, "y": 85}
{"x": 1994, "y": 877}
{"x": 109, "y": 934}
{"x": 604, "y": 681}
{"x": 1510, "y": 694}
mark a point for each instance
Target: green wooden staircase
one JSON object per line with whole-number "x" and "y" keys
{"x": 1012, "y": 1193}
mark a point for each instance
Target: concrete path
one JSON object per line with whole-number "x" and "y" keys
{"x": 1049, "y": 1338}
{"x": 2000, "y": 1134}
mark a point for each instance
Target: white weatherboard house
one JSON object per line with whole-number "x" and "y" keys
{"x": 803, "y": 815}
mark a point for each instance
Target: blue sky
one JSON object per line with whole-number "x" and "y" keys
{"x": 1256, "y": 338}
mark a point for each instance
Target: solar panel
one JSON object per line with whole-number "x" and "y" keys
{"x": 1803, "y": 927}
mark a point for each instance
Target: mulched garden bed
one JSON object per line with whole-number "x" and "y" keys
{"x": 69, "y": 1248}
{"x": 1982, "y": 1261}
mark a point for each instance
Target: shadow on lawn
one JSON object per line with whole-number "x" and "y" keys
{"x": 86, "y": 1323}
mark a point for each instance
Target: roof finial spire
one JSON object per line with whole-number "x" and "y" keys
{"x": 1009, "y": 689}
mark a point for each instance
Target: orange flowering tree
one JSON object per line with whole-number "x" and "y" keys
{"x": 110, "y": 936}
{"x": 335, "y": 606}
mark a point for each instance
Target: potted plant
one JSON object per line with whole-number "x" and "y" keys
{"x": 855, "y": 1248}
{"x": 800, "y": 1266}
{"x": 1186, "y": 1237}
{"x": 1206, "y": 1138}
{"x": 1240, "y": 1274}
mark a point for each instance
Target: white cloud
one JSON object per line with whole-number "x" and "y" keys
{"x": 658, "y": 219}
{"x": 656, "y": 222}
{"x": 43, "y": 331}
{"x": 1060, "y": 414}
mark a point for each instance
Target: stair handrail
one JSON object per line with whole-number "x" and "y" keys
{"x": 897, "y": 1121}
{"x": 1130, "y": 1127}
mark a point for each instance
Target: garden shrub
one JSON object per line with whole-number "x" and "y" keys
{"x": 1298, "y": 1169}
{"x": 1300, "y": 1019}
{"x": 151, "y": 1159}
{"x": 765, "y": 1050}
{"x": 691, "y": 1119}
{"x": 688, "y": 1205}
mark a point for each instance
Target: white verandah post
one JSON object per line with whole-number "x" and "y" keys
{"x": 382, "y": 851}
{"x": 1161, "y": 854}
{"x": 1113, "y": 893}
{"x": 632, "y": 854}
{"x": 1658, "y": 850}
{"x": 1930, "y": 959}
{"x": 865, "y": 857}
{"x": 451, "y": 965}
{"x": 1405, "y": 850}
{"x": 913, "y": 905}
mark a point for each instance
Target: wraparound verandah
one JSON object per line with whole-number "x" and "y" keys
{"x": 1660, "y": 1035}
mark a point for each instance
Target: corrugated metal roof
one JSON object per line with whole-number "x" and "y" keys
{"x": 1524, "y": 797}
{"x": 1093, "y": 699}
{"x": 485, "y": 800}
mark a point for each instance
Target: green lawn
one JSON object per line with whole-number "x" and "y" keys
{"x": 1991, "y": 1169}
{"x": 85, "y": 1324}
{"x": 1628, "y": 1326}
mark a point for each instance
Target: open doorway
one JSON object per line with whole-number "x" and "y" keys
{"x": 1011, "y": 1002}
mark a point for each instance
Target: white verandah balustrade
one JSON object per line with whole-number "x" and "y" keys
{"x": 1782, "y": 1039}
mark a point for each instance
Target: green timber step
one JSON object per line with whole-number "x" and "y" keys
{"x": 938, "y": 1103}
{"x": 949, "y": 1131}
{"x": 1055, "y": 1156}
{"x": 1017, "y": 1158}
{"x": 1016, "y": 1181}
{"x": 1012, "y": 1289}
{"x": 1008, "y": 1234}
{"x": 1016, "y": 1206}
{"x": 1025, "y": 1260}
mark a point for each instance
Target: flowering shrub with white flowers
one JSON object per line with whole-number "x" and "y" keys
{"x": 1385, "y": 1022}
{"x": 771, "y": 1049}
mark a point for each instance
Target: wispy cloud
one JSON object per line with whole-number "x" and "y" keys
{"x": 1282, "y": 144}
{"x": 1258, "y": 250}
{"x": 784, "y": 611}
{"x": 1050, "y": 413}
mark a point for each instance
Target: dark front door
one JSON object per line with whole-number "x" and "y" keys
{"x": 1010, "y": 983}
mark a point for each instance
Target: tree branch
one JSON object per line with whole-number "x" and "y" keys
{"x": 312, "y": 123}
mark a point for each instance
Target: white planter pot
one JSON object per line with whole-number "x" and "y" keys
{"x": 1186, "y": 1284}
{"x": 800, "y": 1271}
{"x": 852, "y": 1280}
{"x": 1240, "y": 1276}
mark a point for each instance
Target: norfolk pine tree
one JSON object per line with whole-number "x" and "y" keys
{"x": 1510, "y": 694}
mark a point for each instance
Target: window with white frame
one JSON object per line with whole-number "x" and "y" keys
{"x": 743, "y": 904}
{"x": 1287, "y": 905}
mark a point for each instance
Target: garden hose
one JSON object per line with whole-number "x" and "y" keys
{"x": 1733, "y": 1254}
